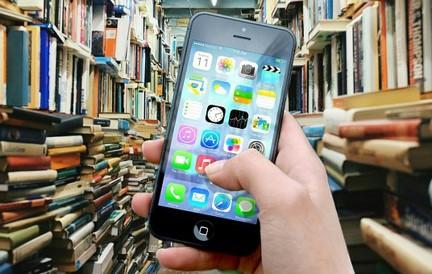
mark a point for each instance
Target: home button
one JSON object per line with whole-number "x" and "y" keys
{"x": 203, "y": 231}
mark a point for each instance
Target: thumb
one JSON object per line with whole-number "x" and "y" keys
{"x": 252, "y": 172}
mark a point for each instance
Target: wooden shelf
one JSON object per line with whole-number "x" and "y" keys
{"x": 321, "y": 34}
{"x": 14, "y": 16}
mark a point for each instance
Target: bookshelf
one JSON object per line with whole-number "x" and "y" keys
{"x": 108, "y": 67}
{"x": 353, "y": 72}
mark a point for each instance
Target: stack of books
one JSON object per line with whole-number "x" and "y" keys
{"x": 377, "y": 152}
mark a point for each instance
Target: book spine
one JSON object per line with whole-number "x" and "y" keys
{"x": 64, "y": 141}
{"x": 22, "y": 149}
{"x": 415, "y": 38}
{"x": 31, "y": 247}
{"x": 27, "y": 163}
{"x": 77, "y": 224}
{"x": 22, "y": 135}
{"x": 403, "y": 129}
{"x": 18, "y": 177}
{"x": 102, "y": 199}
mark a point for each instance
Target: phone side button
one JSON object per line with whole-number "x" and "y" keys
{"x": 203, "y": 231}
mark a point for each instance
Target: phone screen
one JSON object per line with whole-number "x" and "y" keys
{"x": 229, "y": 102}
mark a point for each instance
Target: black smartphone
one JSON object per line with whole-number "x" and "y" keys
{"x": 230, "y": 97}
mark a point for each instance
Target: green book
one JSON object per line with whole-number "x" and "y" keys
{"x": 9, "y": 241}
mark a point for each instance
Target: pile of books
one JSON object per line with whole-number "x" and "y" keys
{"x": 377, "y": 151}
{"x": 65, "y": 203}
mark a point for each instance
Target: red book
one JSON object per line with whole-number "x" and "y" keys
{"x": 24, "y": 163}
{"x": 102, "y": 199}
{"x": 10, "y": 216}
{"x": 26, "y": 204}
{"x": 412, "y": 130}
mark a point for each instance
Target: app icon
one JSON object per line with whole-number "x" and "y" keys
{"x": 266, "y": 98}
{"x": 187, "y": 135}
{"x": 202, "y": 162}
{"x": 233, "y": 144}
{"x": 215, "y": 114}
{"x": 192, "y": 110}
{"x": 198, "y": 197}
{"x": 245, "y": 207}
{"x": 225, "y": 65}
{"x": 222, "y": 202}
{"x": 248, "y": 70}
{"x": 175, "y": 193}
{"x": 182, "y": 160}
{"x": 261, "y": 123}
{"x": 197, "y": 84}
{"x": 270, "y": 74}
{"x": 238, "y": 119}
{"x": 210, "y": 139}
{"x": 221, "y": 87}
{"x": 258, "y": 145}
{"x": 243, "y": 94}
{"x": 202, "y": 60}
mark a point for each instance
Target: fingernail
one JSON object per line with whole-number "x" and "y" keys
{"x": 159, "y": 251}
{"x": 142, "y": 151}
{"x": 215, "y": 167}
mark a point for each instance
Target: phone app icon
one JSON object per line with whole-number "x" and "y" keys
{"x": 187, "y": 135}
{"x": 233, "y": 144}
{"x": 258, "y": 145}
{"x": 221, "y": 87}
{"x": 182, "y": 160}
{"x": 199, "y": 197}
{"x": 210, "y": 139}
{"x": 202, "y": 60}
{"x": 215, "y": 114}
{"x": 243, "y": 94}
{"x": 248, "y": 70}
{"x": 245, "y": 207}
{"x": 175, "y": 193}
{"x": 225, "y": 65}
{"x": 270, "y": 74}
{"x": 222, "y": 202}
{"x": 266, "y": 98}
{"x": 238, "y": 119}
{"x": 197, "y": 84}
{"x": 261, "y": 123}
{"x": 192, "y": 110}
{"x": 202, "y": 162}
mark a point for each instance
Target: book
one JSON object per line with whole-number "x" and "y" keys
{"x": 101, "y": 265}
{"x": 64, "y": 141}
{"x": 24, "y": 163}
{"x": 25, "y": 204}
{"x": 3, "y": 67}
{"x": 64, "y": 256}
{"x": 377, "y": 98}
{"x": 63, "y": 161}
{"x": 76, "y": 265}
{"x": 90, "y": 160}
{"x": 62, "y": 222}
{"x": 339, "y": 162}
{"x": 31, "y": 193}
{"x": 399, "y": 155}
{"x": 22, "y": 135}
{"x": 34, "y": 65}
{"x": 414, "y": 187}
{"x": 403, "y": 253}
{"x": 21, "y": 177}
{"x": 21, "y": 149}
{"x": 10, "y": 216}
{"x": 31, "y": 247}
{"x": 17, "y": 93}
{"x": 335, "y": 143}
{"x": 75, "y": 238}
{"x": 8, "y": 241}
{"x": 355, "y": 181}
{"x": 67, "y": 150}
{"x": 409, "y": 129}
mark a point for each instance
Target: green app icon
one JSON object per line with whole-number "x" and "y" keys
{"x": 175, "y": 193}
{"x": 182, "y": 160}
{"x": 245, "y": 207}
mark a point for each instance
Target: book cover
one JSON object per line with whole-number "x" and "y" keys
{"x": 60, "y": 223}
{"x": 64, "y": 141}
{"x": 17, "y": 92}
{"x": 401, "y": 43}
{"x": 34, "y": 65}
{"x": 21, "y": 149}
{"x": 24, "y": 163}
{"x": 11, "y": 240}
{"x": 22, "y": 135}
{"x": 63, "y": 161}
{"x": 31, "y": 247}
{"x": 10, "y": 216}
{"x": 415, "y": 43}
{"x": 67, "y": 150}
{"x": 25, "y": 204}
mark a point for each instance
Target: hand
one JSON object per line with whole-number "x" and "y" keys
{"x": 300, "y": 232}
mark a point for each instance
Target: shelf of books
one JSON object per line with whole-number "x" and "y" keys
{"x": 360, "y": 89}
{"x": 82, "y": 84}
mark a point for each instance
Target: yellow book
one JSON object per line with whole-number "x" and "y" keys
{"x": 34, "y": 33}
{"x": 378, "y": 98}
{"x": 67, "y": 150}
{"x": 3, "y": 41}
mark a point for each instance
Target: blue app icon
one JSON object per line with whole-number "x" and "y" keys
{"x": 210, "y": 139}
{"x": 198, "y": 197}
{"x": 222, "y": 202}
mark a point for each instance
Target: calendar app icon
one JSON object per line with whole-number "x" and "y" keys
{"x": 202, "y": 60}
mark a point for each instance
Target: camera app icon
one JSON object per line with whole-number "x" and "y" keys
{"x": 248, "y": 70}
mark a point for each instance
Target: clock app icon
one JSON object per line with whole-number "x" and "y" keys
{"x": 215, "y": 114}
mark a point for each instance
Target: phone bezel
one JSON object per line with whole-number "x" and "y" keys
{"x": 177, "y": 225}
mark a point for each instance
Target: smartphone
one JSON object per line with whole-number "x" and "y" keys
{"x": 230, "y": 97}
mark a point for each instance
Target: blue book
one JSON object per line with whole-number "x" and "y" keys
{"x": 334, "y": 186}
{"x": 5, "y": 268}
{"x": 123, "y": 125}
{"x": 313, "y": 141}
{"x": 329, "y": 12}
{"x": 44, "y": 68}
{"x": 314, "y": 131}
{"x": 17, "y": 89}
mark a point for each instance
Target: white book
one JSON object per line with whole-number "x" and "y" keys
{"x": 81, "y": 233}
{"x": 122, "y": 35}
{"x": 350, "y": 57}
{"x": 33, "y": 5}
{"x": 427, "y": 44}
{"x": 102, "y": 263}
{"x": 370, "y": 70}
{"x": 401, "y": 44}
{"x": 391, "y": 46}
{"x": 64, "y": 141}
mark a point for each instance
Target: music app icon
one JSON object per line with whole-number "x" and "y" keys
{"x": 187, "y": 135}
{"x": 202, "y": 162}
